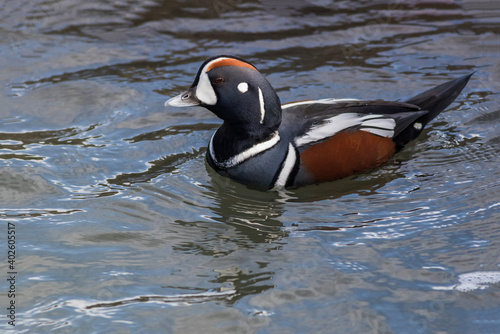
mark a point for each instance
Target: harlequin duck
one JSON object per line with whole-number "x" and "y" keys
{"x": 264, "y": 144}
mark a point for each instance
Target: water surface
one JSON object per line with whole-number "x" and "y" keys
{"x": 121, "y": 227}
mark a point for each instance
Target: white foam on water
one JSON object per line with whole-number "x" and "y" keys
{"x": 478, "y": 280}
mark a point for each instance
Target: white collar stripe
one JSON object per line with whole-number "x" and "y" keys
{"x": 245, "y": 155}
{"x": 286, "y": 168}
{"x": 262, "y": 107}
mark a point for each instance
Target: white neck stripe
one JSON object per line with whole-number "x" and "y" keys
{"x": 262, "y": 106}
{"x": 246, "y": 154}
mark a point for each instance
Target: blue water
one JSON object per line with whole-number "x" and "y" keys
{"x": 121, "y": 227}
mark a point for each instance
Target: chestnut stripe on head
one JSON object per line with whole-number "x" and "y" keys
{"x": 227, "y": 62}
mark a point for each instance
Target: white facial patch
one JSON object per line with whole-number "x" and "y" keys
{"x": 262, "y": 106}
{"x": 243, "y": 87}
{"x": 417, "y": 126}
{"x": 204, "y": 91}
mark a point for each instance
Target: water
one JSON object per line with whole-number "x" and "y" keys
{"x": 121, "y": 227}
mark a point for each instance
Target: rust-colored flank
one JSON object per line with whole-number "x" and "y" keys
{"x": 346, "y": 153}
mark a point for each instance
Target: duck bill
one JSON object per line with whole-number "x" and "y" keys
{"x": 186, "y": 99}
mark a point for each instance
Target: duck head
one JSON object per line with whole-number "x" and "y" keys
{"x": 235, "y": 91}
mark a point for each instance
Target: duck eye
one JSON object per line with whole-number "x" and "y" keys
{"x": 218, "y": 80}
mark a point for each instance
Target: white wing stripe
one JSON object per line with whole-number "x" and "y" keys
{"x": 380, "y": 132}
{"x": 321, "y": 101}
{"x": 375, "y": 124}
{"x": 330, "y": 127}
{"x": 385, "y": 123}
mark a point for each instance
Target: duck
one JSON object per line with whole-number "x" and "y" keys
{"x": 270, "y": 146}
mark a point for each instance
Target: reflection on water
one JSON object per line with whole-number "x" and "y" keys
{"x": 122, "y": 226}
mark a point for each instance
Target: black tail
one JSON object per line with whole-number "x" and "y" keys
{"x": 434, "y": 101}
